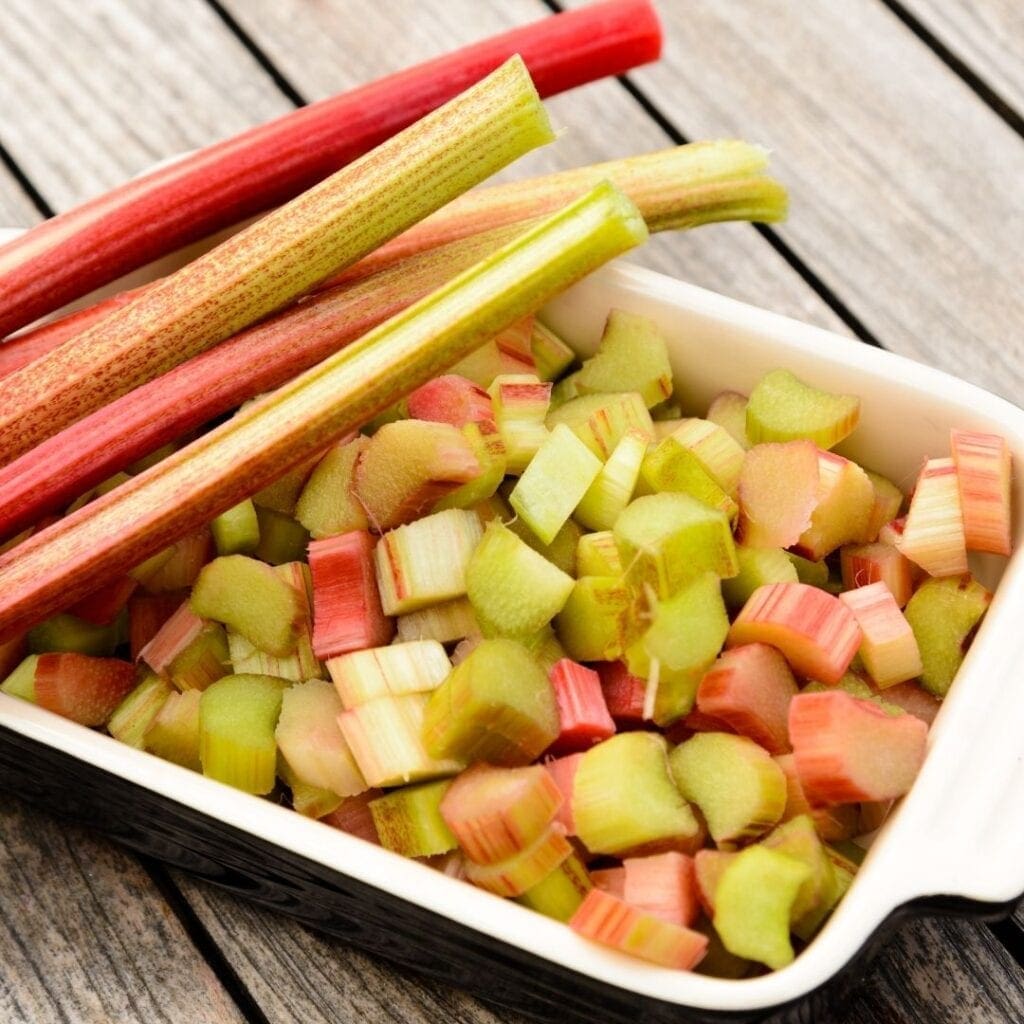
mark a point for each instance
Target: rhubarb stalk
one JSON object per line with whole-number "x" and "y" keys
{"x": 279, "y": 258}
{"x": 106, "y": 537}
{"x": 223, "y": 184}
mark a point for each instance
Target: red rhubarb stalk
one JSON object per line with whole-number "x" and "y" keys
{"x": 52, "y": 474}
{"x": 120, "y": 529}
{"x": 279, "y": 258}
{"x": 153, "y": 215}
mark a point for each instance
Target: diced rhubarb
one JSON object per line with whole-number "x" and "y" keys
{"x": 612, "y": 922}
{"x": 888, "y": 502}
{"x": 563, "y": 772}
{"x": 750, "y": 688}
{"x": 888, "y": 646}
{"x": 670, "y": 466}
{"x": 864, "y": 564}
{"x": 892, "y": 532}
{"x": 408, "y": 467}
{"x": 426, "y": 562}
{"x": 355, "y": 817}
{"x": 623, "y": 692}
{"x": 842, "y": 514}
{"x": 551, "y": 356}
{"x": 347, "y": 613}
{"x": 520, "y": 403}
{"x": 914, "y": 700}
{"x": 523, "y": 870}
{"x": 147, "y": 613}
{"x": 496, "y": 813}
{"x": 409, "y": 820}
{"x": 104, "y": 605}
{"x": 560, "y": 894}
{"x": 849, "y": 750}
{"x": 136, "y": 712}
{"x": 598, "y": 555}
{"x": 729, "y": 411}
{"x": 601, "y": 421}
{"x": 614, "y": 485}
{"x": 87, "y": 690}
{"x": 451, "y": 399}
{"x": 816, "y": 632}
{"x": 444, "y": 622}
{"x": 610, "y": 880}
{"x": 418, "y": 666}
{"x": 778, "y": 490}
{"x": 832, "y": 823}
{"x": 327, "y": 505}
{"x": 708, "y": 868}
{"x": 632, "y": 356}
{"x": 174, "y": 732}
{"x": 582, "y": 713}
{"x": 180, "y": 567}
{"x": 983, "y": 473}
{"x": 933, "y": 536}
{"x": 663, "y": 885}
{"x": 593, "y": 621}
{"x": 177, "y": 632}
{"x": 784, "y": 408}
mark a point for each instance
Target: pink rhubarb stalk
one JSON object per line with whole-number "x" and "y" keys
{"x": 279, "y": 258}
{"x": 223, "y": 184}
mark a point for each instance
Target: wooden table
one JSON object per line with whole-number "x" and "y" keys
{"x": 897, "y": 127}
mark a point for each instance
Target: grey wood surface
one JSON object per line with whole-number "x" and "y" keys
{"x": 987, "y": 35}
{"x": 92, "y": 91}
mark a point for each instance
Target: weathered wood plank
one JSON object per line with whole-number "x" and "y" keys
{"x": 94, "y": 93}
{"x": 901, "y": 178}
{"x": 16, "y": 209}
{"x": 327, "y": 47}
{"x": 86, "y": 937}
{"x": 987, "y": 35}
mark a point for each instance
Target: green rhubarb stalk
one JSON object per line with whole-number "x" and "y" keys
{"x": 279, "y": 258}
{"x": 81, "y": 552}
{"x": 674, "y": 189}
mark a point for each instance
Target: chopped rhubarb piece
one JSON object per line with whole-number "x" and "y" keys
{"x": 673, "y": 467}
{"x": 610, "y": 880}
{"x": 347, "y": 614}
{"x": 104, "y": 605}
{"x": 848, "y": 750}
{"x": 355, "y": 817}
{"x": 892, "y": 532}
{"x": 525, "y": 869}
{"x": 738, "y": 787}
{"x": 147, "y": 613}
{"x": 816, "y": 632}
{"x": 593, "y": 621}
{"x": 520, "y": 403}
{"x": 444, "y": 622}
{"x": 663, "y": 885}
{"x": 582, "y": 713}
{"x": 310, "y": 740}
{"x": 754, "y": 902}
{"x": 715, "y": 447}
{"x": 601, "y": 421}
{"x": 636, "y": 811}
{"x": 408, "y": 467}
{"x": 623, "y": 692}
{"x": 551, "y": 356}
{"x": 309, "y": 801}
{"x": 554, "y": 483}
{"x": 758, "y": 567}
{"x": 87, "y": 690}
{"x": 842, "y": 513}
{"x": 708, "y": 868}
{"x": 613, "y": 486}
{"x": 327, "y": 505}
{"x": 888, "y": 646}
{"x": 177, "y": 632}
{"x": 426, "y": 562}
{"x": 496, "y": 706}
{"x": 914, "y": 700}
{"x": 933, "y": 536}
{"x": 136, "y": 712}
{"x": 180, "y": 567}
{"x": 944, "y": 615}
{"x": 784, "y": 408}
{"x": 983, "y": 473}
{"x": 598, "y": 555}
{"x": 451, "y": 399}
{"x": 418, "y": 666}
{"x": 632, "y": 356}
{"x": 750, "y": 688}
{"x": 488, "y": 448}
{"x": 237, "y": 530}
{"x": 563, "y": 772}
{"x": 560, "y": 894}
{"x": 386, "y": 739}
{"x": 612, "y": 922}
{"x": 409, "y": 820}
{"x": 729, "y": 411}
{"x": 865, "y": 564}
{"x": 174, "y": 732}
{"x": 833, "y": 823}
{"x": 888, "y": 502}
{"x": 496, "y": 813}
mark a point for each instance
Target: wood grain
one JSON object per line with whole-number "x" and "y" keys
{"x": 86, "y": 937}
{"x": 16, "y": 209}
{"x": 987, "y": 35}
{"x": 901, "y": 179}
{"x": 104, "y": 89}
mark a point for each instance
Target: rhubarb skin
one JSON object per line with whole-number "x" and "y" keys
{"x": 451, "y": 399}
{"x": 146, "y": 614}
{"x": 850, "y": 750}
{"x": 279, "y": 258}
{"x": 983, "y": 473}
{"x": 663, "y": 885}
{"x": 582, "y": 713}
{"x": 216, "y": 187}
{"x": 888, "y": 647}
{"x": 87, "y": 690}
{"x": 933, "y": 535}
{"x": 119, "y": 530}
{"x": 816, "y": 633}
{"x": 347, "y": 614}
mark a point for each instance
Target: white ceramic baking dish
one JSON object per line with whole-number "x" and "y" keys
{"x": 956, "y": 841}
